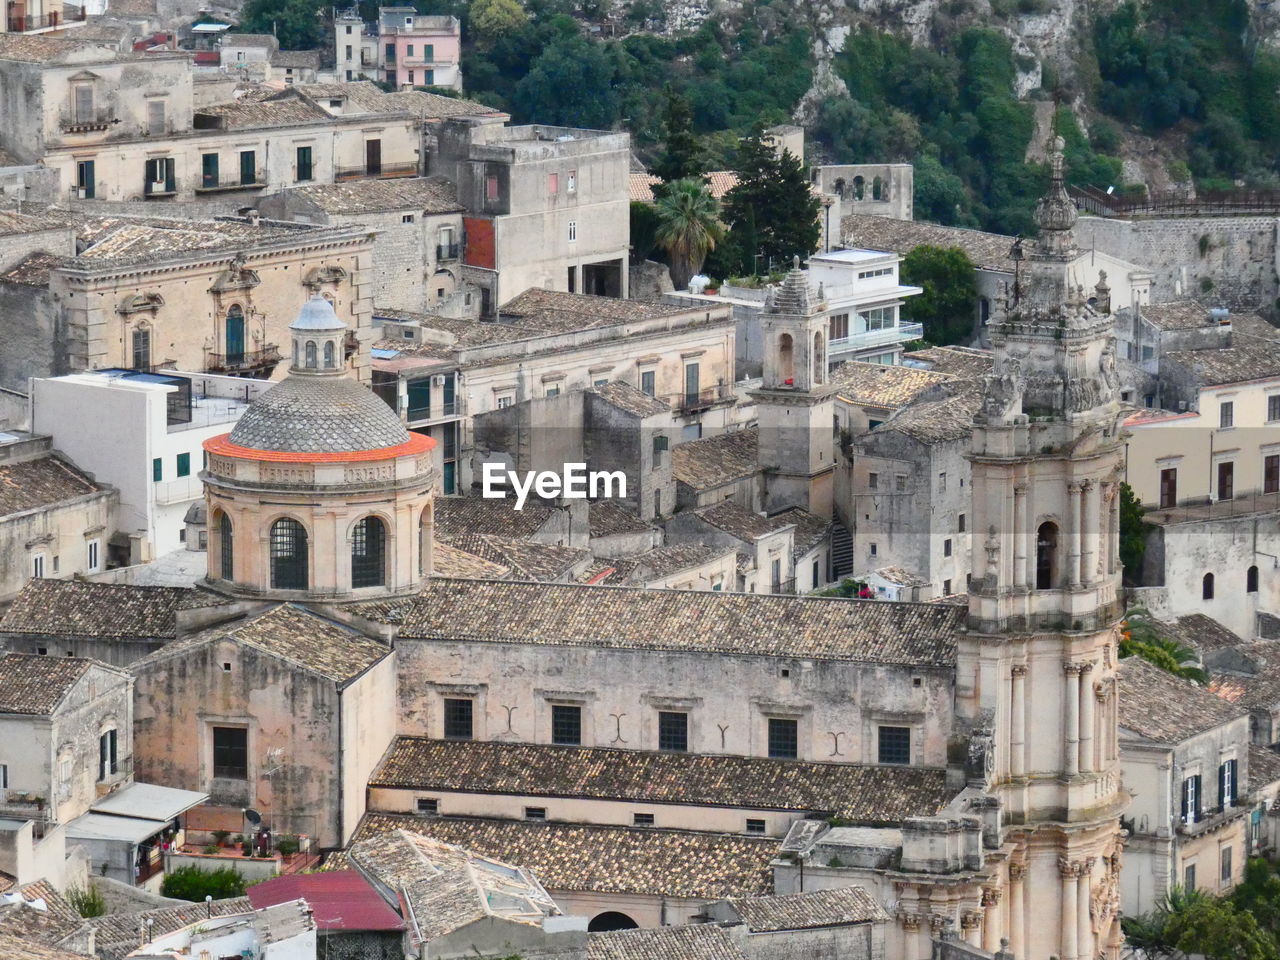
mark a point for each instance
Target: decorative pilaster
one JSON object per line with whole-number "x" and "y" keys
{"x": 1016, "y": 915}
{"x": 990, "y": 919}
{"x": 1084, "y": 929}
{"x": 1090, "y": 538}
{"x": 1071, "y": 721}
{"x": 1017, "y": 720}
{"x": 1020, "y": 535}
{"x": 1069, "y": 900}
{"x": 1086, "y": 719}
{"x": 1073, "y": 534}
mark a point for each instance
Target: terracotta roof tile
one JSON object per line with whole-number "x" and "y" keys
{"x": 1249, "y": 358}
{"x": 937, "y": 421}
{"x": 630, "y": 399}
{"x": 449, "y": 561}
{"x": 699, "y": 941}
{"x": 40, "y": 482}
{"x": 719, "y": 182}
{"x": 858, "y": 793}
{"x": 33, "y": 271}
{"x": 737, "y": 521}
{"x": 72, "y": 608}
{"x": 17, "y": 948}
{"x": 117, "y": 934}
{"x": 620, "y": 860}
{"x": 608, "y": 517}
{"x": 883, "y": 385}
{"x": 968, "y": 362}
{"x": 462, "y": 516}
{"x": 432, "y": 195}
{"x": 715, "y": 461}
{"x": 1158, "y": 706}
{"x": 37, "y": 685}
{"x": 50, "y": 926}
{"x": 625, "y": 618}
{"x": 524, "y": 559}
{"x": 1176, "y": 314}
{"x": 560, "y": 312}
{"x": 989, "y": 251}
{"x": 804, "y": 911}
{"x": 670, "y": 560}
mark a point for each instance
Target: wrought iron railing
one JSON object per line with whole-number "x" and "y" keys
{"x": 693, "y": 400}
{"x": 245, "y": 360}
{"x": 382, "y": 170}
{"x": 212, "y": 184}
{"x": 448, "y": 251}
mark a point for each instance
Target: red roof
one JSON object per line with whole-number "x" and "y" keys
{"x": 222, "y": 445}
{"x": 340, "y": 900}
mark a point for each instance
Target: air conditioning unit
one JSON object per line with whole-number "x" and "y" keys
{"x": 81, "y": 193}
{"x": 438, "y": 380}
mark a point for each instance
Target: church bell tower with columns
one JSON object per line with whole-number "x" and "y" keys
{"x": 1036, "y": 665}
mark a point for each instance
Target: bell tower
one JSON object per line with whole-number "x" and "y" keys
{"x": 796, "y": 403}
{"x": 1036, "y": 666}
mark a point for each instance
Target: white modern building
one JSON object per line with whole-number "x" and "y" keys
{"x": 141, "y": 433}
{"x": 863, "y": 295}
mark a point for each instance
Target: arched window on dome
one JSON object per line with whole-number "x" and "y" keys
{"x": 328, "y": 355}
{"x": 288, "y": 555}
{"x": 311, "y": 354}
{"x": 226, "y": 554}
{"x": 368, "y": 553}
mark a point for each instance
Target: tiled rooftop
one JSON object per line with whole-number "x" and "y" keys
{"x": 368, "y": 98}
{"x": 1158, "y": 706}
{"x": 611, "y": 572}
{"x": 858, "y": 793}
{"x": 524, "y": 559}
{"x": 16, "y": 948}
{"x": 805, "y": 911}
{"x": 12, "y": 222}
{"x": 463, "y": 516}
{"x": 670, "y": 560}
{"x": 1176, "y": 314}
{"x": 682, "y": 620}
{"x": 298, "y": 59}
{"x": 719, "y": 182}
{"x": 630, "y": 399}
{"x": 1202, "y": 633}
{"x": 1250, "y": 357}
{"x": 41, "y": 482}
{"x": 901, "y": 576}
{"x": 117, "y": 933}
{"x": 288, "y": 633}
{"x": 883, "y": 385}
{"x": 987, "y": 250}
{"x": 737, "y": 521}
{"x": 37, "y": 685}
{"x": 715, "y": 461}
{"x": 43, "y": 48}
{"x": 810, "y": 530}
{"x": 1264, "y": 766}
{"x": 73, "y": 608}
{"x": 553, "y": 311}
{"x": 264, "y": 114}
{"x": 621, "y": 860}
{"x": 959, "y": 361}
{"x": 449, "y": 561}
{"x": 609, "y": 518}
{"x": 937, "y": 421}
{"x": 428, "y": 195}
{"x": 112, "y": 239}
{"x": 33, "y": 270}
{"x": 698, "y": 941}
{"x": 50, "y": 926}
{"x": 1259, "y": 689}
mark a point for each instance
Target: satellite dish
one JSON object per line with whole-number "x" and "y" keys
{"x": 253, "y": 816}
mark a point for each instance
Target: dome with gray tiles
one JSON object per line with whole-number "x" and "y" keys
{"x": 308, "y": 414}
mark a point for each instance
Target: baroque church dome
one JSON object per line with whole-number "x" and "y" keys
{"x": 316, "y": 409}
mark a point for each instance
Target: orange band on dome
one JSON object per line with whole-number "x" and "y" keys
{"x": 223, "y": 447}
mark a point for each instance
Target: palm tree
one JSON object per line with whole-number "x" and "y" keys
{"x": 688, "y": 227}
{"x": 1140, "y": 637}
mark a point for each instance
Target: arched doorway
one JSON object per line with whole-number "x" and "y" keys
{"x": 1047, "y": 555}
{"x": 611, "y": 920}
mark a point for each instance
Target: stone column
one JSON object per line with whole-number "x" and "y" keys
{"x": 990, "y": 919}
{"x": 1069, "y": 933}
{"x": 1017, "y": 874}
{"x": 1113, "y": 510}
{"x": 1073, "y": 535}
{"x": 1084, "y": 935}
{"x": 1090, "y": 539}
{"x": 1071, "y": 723}
{"x": 1086, "y": 719}
{"x": 1017, "y": 720}
{"x": 1020, "y": 535}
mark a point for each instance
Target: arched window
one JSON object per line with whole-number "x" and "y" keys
{"x": 819, "y": 359}
{"x": 1251, "y": 580}
{"x": 859, "y": 187}
{"x": 1047, "y": 556}
{"x": 610, "y": 920}
{"x": 328, "y": 354}
{"x": 786, "y": 360}
{"x": 311, "y": 354}
{"x": 1206, "y": 587}
{"x": 877, "y": 189}
{"x": 288, "y": 555}
{"x": 142, "y": 348}
{"x": 235, "y": 334}
{"x": 425, "y": 524}
{"x": 840, "y": 188}
{"x": 368, "y": 549}
{"x": 226, "y": 553}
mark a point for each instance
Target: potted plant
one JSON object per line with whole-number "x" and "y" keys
{"x": 287, "y": 845}
{"x": 220, "y": 837}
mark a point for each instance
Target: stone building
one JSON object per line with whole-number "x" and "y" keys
{"x": 417, "y": 235}
{"x": 1185, "y": 756}
{"x": 55, "y": 520}
{"x": 208, "y": 296}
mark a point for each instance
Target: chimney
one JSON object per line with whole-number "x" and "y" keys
{"x": 253, "y": 216}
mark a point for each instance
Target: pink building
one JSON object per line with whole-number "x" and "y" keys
{"x": 405, "y": 48}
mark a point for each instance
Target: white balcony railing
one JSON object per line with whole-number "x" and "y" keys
{"x": 179, "y": 490}
{"x": 902, "y": 333}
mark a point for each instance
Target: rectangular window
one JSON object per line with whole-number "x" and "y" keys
{"x": 895, "y": 745}
{"x": 1192, "y": 804}
{"x": 881, "y": 318}
{"x": 1227, "y": 414}
{"x": 553, "y": 391}
{"x": 457, "y": 719}
{"x": 642, "y": 819}
{"x": 1227, "y": 785}
{"x": 85, "y": 179}
{"x": 159, "y": 176}
{"x": 838, "y": 326}
{"x": 1189, "y": 877}
{"x": 428, "y": 78}
{"x": 535, "y": 813}
{"x": 673, "y": 731}
{"x": 573, "y": 231}
{"x": 874, "y": 550}
{"x": 1271, "y": 473}
{"x": 108, "y": 758}
{"x": 157, "y": 470}
{"x": 960, "y": 523}
{"x": 302, "y": 172}
{"x": 873, "y": 481}
{"x": 155, "y": 117}
{"x": 428, "y": 806}
{"x": 566, "y": 725}
{"x": 784, "y": 738}
{"x": 491, "y": 187}
{"x": 571, "y": 186}
{"x": 4, "y": 776}
{"x": 942, "y": 482}
{"x": 1226, "y": 865}
{"x": 348, "y": 56}
{"x": 37, "y": 565}
{"x": 946, "y": 547}
{"x": 756, "y": 827}
{"x": 184, "y": 464}
{"x": 91, "y": 556}
{"x": 411, "y": 81}
{"x": 553, "y": 184}
{"x": 946, "y": 588}
{"x": 504, "y": 402}
{"x": 817, "y": 582}
{"x": 428, "y": 52}
{"x": 390, "y": 49}
{"x": 84, "y": 103}
{"x": 231, "y": 753}
{"x": 248, "y": 167}
{"x": 900, "y": 484}
{"x": 208, "y": 170}
{"x": 1273, "y": 408}
{"x": 1226, "y": 480}
{"x": 1169, "y": 488}
{"x": 648, "y": 380}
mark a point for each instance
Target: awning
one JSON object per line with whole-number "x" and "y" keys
{"x": 102, "y": 826}
{"x": 147, "y": 801}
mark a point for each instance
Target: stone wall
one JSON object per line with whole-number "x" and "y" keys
{"x": 1229, "y": 261}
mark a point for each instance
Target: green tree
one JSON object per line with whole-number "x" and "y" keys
{"x": 688, "y": 228}
{"x": 1259, "y": 894}
{"x": 1141, "y": 637}
{"x": 1133, "y": 534}
{"x": 570, "y": 85}
{"x": 491, "y": 19}
{"x": 771, "y": 212}
{"x": 194, "y": 884}
{"x": 1188, "y": 922}
{"x": 297, "y": 24}
{"x": 87, "y": 901}
{"x": 644, "y": 229}
{"x": 682, "y": 155}
{"x": 948, "y": 306}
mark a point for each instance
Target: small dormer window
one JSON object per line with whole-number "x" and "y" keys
{"x": 311, "y": 355}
